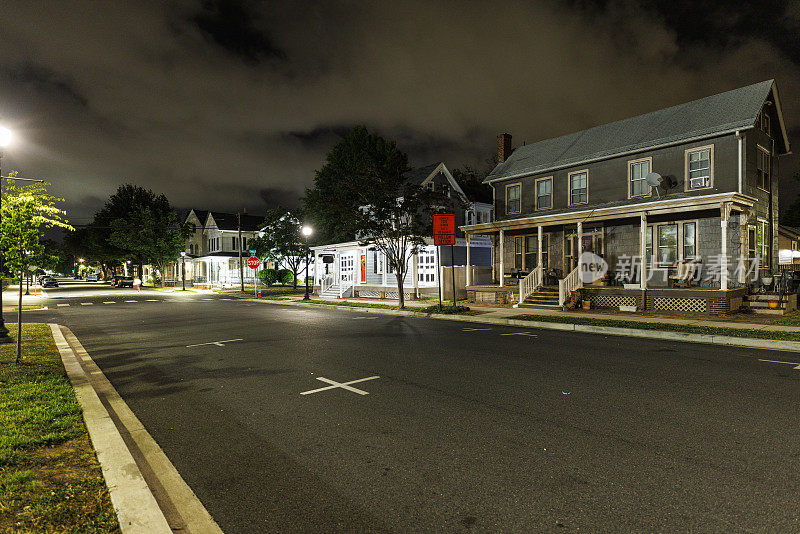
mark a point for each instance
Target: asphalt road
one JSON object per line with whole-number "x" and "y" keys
{"x": 469, "y": 427}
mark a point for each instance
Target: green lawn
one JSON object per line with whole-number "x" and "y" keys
{"x": 50, "y": 480}
{"x": 689, "y": 329}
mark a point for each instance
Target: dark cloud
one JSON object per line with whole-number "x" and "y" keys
{"x": 231, "y": 24}
{"x": 226, "y": 105}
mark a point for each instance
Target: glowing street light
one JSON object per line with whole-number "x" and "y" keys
{"x": 5, "y": 140}
{"x": 6, "y": 137}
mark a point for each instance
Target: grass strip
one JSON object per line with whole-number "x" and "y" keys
{"x": 664, "y": 327}
{"x": 29, "y": 307}
{"x": 348, "y": 304}
{"x": 50, "y": 480}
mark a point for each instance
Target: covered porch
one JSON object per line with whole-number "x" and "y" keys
{"x": 690, "y": 254}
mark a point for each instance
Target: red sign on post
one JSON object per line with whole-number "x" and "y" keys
{"x": 253, "y": 262}
{"x": 444, "y": 229}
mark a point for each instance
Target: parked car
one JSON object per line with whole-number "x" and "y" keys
{"x": 91, "y": 277}
{"x": 48, "y": 281}
{"x": 122, "y": 281}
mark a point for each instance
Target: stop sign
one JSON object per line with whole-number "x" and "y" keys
{"x": 253, "y": 262}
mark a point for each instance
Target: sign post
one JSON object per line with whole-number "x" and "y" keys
{"x": 253, "y": 262}
{"x": 444, "y": 233}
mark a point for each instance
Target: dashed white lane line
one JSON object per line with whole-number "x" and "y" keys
{"x": 780, "y": 361}
{"x": 520, "y": 334}
{"x": 219, "y": 299}
{"x": 87, "y": 303}
{"x": 130, "y": 301}
{"x": 62, "y": 304}
{"x": 364, "y": 317}
{"x": 474, "y": 329}
{"x": 110, "y": 302}
{"x": 207, "y": 299}
{"x": 152, "y": 300}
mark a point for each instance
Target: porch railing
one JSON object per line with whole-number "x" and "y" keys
{"x": 568, "y": 284}
{"x": 325, "y": 283}
{"x": 346, "y": 286}
{"x": 530, "y": 283}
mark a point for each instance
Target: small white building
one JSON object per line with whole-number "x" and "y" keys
{"x": 357, "y": 268}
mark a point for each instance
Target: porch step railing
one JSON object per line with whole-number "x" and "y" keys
{"x": 571, "y": 282}
{"x": 346, "y": 286}
{"x": 530, "y": 283}
{"x": 326, "y": 283}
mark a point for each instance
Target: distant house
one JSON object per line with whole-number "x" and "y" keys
{"x": 212, "y": 248}
{"x": 356, "y": 268}
{"x": 788, "y": 246}
{"x": 713, "y": 213}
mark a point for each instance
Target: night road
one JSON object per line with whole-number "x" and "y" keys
{"x": 445, "y": 425}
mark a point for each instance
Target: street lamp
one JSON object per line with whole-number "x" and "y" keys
{"x": 306, "y": 231}
{"x": 183, "y": 270}
{"x": 5, "y": 140}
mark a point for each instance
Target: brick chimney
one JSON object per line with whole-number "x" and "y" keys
{"x": 503, "y": 147}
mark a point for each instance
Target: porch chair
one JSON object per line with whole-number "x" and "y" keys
{"x": 685, "y": 273}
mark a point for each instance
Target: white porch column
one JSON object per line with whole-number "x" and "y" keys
{"x": 468, "y": 269}
{"x": 502, "y": 270}
{"x": 723, "y": 255}
{"x": 414, "y": 271}
{"x": 384, "y": 268}
{"x": 643, "y": 252}
{"x": 743, "y": 247}
{"x": 580, "y": 245}
{"x": 539, "y": 248}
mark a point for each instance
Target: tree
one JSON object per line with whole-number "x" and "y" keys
{"x": 26, "y": 210}
{"x": 154, "y": 234}
{"x": 331, "y": 204}
{"x": 281, "y": 241}
{"x": 470, "y": 179}
{"x": 791, "y": 215}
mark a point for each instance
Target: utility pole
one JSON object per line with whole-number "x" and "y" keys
{"x": 241, "y": 267}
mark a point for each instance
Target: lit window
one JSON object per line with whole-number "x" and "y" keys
{"x": 667, "y": 243}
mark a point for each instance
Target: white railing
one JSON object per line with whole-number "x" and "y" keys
{"x": 346, "y": 285}
{"x": 572, "y": 282}
{"x": 325, "y": 283}
{"x": 530, "y": 283}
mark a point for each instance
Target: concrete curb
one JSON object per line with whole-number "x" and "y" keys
{"x": 772, "y": 344}
{"x": 134, "y": 503}
{"x": 178, "y": 503}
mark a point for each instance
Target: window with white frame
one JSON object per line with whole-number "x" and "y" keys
{"x": 513, "y": 198}
{"x": 762, "y": 242}
{"x": 578, "y": 188}
{"x": 689, "y": 240}
{"x": 470, "y": 217}
{"x": 637, "y": 173}
{"x": 544, "y": 193}
{"x": 670, "y": 242}
{"x": 698, "y": 168}
{"x": 667, "y": 244}
{"x": 426, "y": 265}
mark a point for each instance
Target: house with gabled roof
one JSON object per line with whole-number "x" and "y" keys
{"x": 212, "y": 248}
{"x": 355, "y": 268}
{"x": 680, "y": 204}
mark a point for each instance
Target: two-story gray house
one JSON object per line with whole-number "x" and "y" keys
{"x": 712, "y": 217}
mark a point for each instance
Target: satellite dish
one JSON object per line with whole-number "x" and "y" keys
{"x": 654, "y": 179}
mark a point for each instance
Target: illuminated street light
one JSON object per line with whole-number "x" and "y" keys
{"x": 5, "y": 137}
{"x": 5, "y": 140}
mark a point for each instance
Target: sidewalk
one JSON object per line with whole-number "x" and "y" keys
{"x": 11, "y": 297}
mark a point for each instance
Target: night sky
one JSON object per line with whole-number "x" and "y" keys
{"x": 226, "y": 105}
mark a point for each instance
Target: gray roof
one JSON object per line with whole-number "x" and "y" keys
{"x": 731, "y": 110}
{"x": 417, "y": 175}
{"x": 229, "y": 221}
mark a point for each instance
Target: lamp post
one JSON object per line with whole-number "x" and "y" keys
{"x": 5, "y": 140}
{"x": 183, "y": 270}
{"x": 306, "y": 230}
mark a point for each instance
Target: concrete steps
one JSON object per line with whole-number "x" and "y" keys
{"x": 544, "y": 298}
{"x": 330, "y": 293}
{"x": 759, "y": 303}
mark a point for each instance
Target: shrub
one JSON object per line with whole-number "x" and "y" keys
{"x": 268, "y": 276}
{"x": 285, "y": 276}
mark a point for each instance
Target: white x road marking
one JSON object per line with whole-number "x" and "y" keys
{"x": 777, "y": 361}
{"x": 343, "y": 385}
{"x": 520, "y": 334}
{"x": 217, "y": 343}
{"x": 475, "y": 329}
